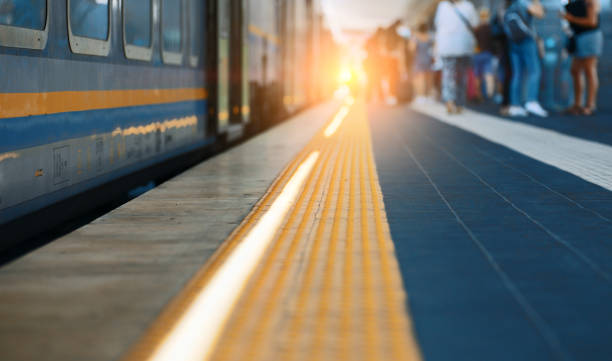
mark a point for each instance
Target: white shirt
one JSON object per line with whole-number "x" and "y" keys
{"x": 453, "y": 37}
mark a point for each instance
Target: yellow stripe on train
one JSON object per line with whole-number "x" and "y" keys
{"x": 13, "y": 105}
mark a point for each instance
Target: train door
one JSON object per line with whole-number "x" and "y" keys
{"x": 245, "y": 98}
{"x": 223, "y": 64}
{"x": 229, "y": 65}
{"x": 239, "y": 63}
{"x": 300, "y": 56}
{"x": 288, "y": 53}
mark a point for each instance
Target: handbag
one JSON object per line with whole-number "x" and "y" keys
{"x": 515, "y": 24}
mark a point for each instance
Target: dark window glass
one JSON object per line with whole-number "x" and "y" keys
{"x": 171, "y": 25}
{"x": 89, "y": 18}
{"x": 30, "y": 14}
{"x": 137, "y": 22}
{"x": 197, "y": 25}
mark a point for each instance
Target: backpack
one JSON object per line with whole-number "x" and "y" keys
{"x": 515, "y": 24}
{"x": 497, "y": 26}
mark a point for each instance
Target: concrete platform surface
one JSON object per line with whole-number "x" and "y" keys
{"x": 381, "y": 233}
{"x": 503, "y": 233}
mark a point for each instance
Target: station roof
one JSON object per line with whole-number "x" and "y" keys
{"x": 346, "y": 17}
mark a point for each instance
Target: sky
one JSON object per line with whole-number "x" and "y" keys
{"x": 363, "y": 14}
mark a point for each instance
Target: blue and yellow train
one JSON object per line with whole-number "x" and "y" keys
{"x": 93, "y": 90}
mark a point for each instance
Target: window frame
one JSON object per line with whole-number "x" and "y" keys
{"x": 26, "y": 38}
{"x": 172, "y": 57}
{"x": 90, "y": 46}
{"x": 136, "y": 52}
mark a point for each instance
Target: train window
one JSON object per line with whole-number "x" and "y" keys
{"x": 137, "y": 29}
{"x": 88, "y": 26}
{"x": 171, "y": 20}
{"x": 24, "y": 24}
{"x": 89, "y": 18}
{"x": 31, "y": 15}
{"x": 197, "y": 29}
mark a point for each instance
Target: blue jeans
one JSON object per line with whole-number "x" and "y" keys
{"x": 482, "y": 64}
{"x": 525, "y": 65}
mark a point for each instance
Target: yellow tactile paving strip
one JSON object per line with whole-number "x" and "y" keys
{"x": 328, "y": 287}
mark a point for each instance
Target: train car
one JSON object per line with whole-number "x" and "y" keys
{"x": 94, "y": 90}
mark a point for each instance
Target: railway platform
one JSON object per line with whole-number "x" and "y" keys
{"x": 351, "y": 232}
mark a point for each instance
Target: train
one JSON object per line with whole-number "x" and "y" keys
{"x": 94, "y": 90}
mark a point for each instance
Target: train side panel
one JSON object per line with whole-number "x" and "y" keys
{"x": 90, "y": 91}
{"x": 71, "y": 120}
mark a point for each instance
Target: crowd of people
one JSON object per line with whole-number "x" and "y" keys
{"x": 463, "y": 53}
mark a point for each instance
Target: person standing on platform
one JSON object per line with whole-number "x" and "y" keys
{"x": 484, "y": 58}
{"x": 393, "y": 45}
{"x": 586, "y": 45}
{"x": 502, "y": 52}
{"x": 524, "y": 58}
{"x": 455, "y": 21}
{"x": 374, "y": 66}
{"x": 421, "y": 45}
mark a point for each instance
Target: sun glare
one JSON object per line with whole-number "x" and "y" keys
{"x": 346, "y": 75}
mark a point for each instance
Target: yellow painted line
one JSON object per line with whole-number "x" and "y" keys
{"x": 294, "y": 328}
{"x": 189, "y": 340}
{"x": 335, "y": 124}
{"x": 371, "y": 338}
{"x": 321, "y": 321}
{"x": 345, "y": 350}
{"x": 253, "y": 347}
{"x": 14, "y": 105}
{"x": 219, "y": 257}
